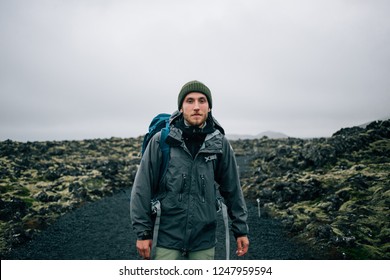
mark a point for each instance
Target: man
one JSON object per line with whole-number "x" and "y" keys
{"x": 201, "y": 159}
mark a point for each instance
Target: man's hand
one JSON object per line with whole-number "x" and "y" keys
{"x": 242, "y": 245}
{"x": 144, "y": 248}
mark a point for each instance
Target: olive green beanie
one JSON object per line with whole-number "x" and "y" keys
{"x": 194, "y": 86}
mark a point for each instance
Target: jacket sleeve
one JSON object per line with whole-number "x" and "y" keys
{"x": 230, "y": 188}
{"x": 145, "y": 181}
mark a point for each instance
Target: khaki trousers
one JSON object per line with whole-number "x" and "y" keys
{"x": 169, "y": 254}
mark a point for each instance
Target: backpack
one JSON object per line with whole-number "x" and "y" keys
{"x": 159, "y": 123}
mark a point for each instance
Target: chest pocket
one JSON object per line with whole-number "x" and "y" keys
{"x": 212, "y": 162}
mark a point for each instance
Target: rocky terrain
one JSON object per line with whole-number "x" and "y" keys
{"x": 40, "y": 181}
{"x": 331, "y": 193}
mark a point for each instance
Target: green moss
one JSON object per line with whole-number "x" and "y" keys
{"x": 94, "y": 183}
{"x": 29, "y": 201}
{"x": 16, "y": 189}
{"x": 23, "y": 191}
{"x": 6, "y": 188}
{"x": 365, "y": 252}
{"x": 3, "y": 243}
{"x": 366, "y": 235}
{"x": 348, "y": 206}
{"x": 384, "y": 234}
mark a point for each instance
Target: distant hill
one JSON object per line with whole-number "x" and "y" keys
{"x": 381, "y": 119}
{"x": 269, "y": 134}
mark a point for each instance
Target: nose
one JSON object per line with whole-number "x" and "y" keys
{"x": 196, "y": 105}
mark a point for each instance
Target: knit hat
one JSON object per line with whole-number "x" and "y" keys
{"x": 194, "y": 86}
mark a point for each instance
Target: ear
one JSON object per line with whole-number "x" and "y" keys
{"x": 181, "y": 110}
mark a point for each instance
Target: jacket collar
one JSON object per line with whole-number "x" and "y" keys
{"x": 212, "y": 143}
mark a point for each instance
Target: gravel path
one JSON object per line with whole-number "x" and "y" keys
{"x": 102, "y": 230}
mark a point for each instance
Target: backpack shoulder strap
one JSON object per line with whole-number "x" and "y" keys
{"x": 155, "y": 203}
{"x": 164, "y": 150}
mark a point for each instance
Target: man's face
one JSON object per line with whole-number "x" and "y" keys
{"x": 195, "y": 108}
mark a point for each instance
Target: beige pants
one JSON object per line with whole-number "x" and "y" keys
{"x": 169, "y": 254}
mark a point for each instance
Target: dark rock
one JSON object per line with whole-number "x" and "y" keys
{"x": 14, "y": 209}
{"x": 324, "y": 232}
{"x": 36, "y": 223}
{"x": 44, "y": 197}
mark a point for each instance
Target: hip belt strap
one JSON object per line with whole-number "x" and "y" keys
{"x": 156, "y": 209}
{"x": 226, "y": 222}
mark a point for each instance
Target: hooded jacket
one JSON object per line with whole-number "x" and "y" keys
{"x": 188, "y": 191}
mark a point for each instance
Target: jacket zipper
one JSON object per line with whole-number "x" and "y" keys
{"x": 185, "y": 240}
{"x": 183, "y": 185}
{"x": 203, "y": 190}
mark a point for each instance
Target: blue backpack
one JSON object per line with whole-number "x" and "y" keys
{"x": 159, "y": 123}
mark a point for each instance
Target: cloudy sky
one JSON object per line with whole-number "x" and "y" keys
{"x": 96, "y": 69}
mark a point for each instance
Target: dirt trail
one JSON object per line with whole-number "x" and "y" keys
{"x": 102, "y": 230}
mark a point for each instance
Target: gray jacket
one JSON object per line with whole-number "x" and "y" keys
{"x": 188, "y": 192}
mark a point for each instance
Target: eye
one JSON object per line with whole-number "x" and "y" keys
{"x": 202, "y": 100}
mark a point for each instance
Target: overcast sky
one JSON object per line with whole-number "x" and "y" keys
{"x": 73, "y": 70}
